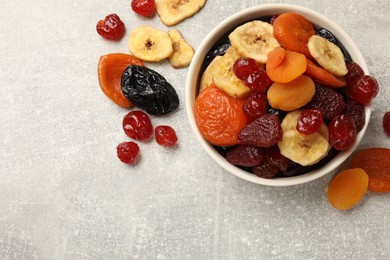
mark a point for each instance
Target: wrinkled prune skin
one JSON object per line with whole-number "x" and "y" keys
{"x": 325, "y": 33}
{"x": 218, "y": 49}
{"x": 148, "y": 90}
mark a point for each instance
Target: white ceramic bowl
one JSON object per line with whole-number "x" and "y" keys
{"x": 229, "y": 24}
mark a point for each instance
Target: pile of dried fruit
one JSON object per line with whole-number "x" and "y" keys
{"x": 127, "y": 82}
{"x": 279, "y": 97}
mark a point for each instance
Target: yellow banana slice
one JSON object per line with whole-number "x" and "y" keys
{"x": 150, "y": 44}
{"x": 207, "y": 78}
{"x": 172, "y": 12}
{"x": 182, "y": 52}
{"x": 224, "y": 78}
{"x": 254, "y": 39}
{"x": 328, "y": 55}
{"x": 303, "y": 149}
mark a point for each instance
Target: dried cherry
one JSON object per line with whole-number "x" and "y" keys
{"x": 137, "y": 125}
{"x": 363, "y": 89}
{"x": 165, "y": 135}
{"x": 255, "y": 105}
{"x": 309, "y": 121}
{"x": 342, "y": 132}
{"x": 111, "y": 28}
{"x": 149, "y": 90}
{"x": 127, "y": 152}
{"x": 145, "y": 8}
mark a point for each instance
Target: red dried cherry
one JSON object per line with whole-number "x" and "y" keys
{"x": 111, "y": 28}
{"x": 258, "y": 81}
{"x": 137, "y": 125}
{"x": 363, "y": 89}
{"x": 127, "y": 152}
{"x": 386, "y": 123}
{"x": 165, "y": 135}
{"x": 342, "y": 132}
{"x": 255, "y": 105}
{"x": 243, "y": 67}
{"x": 309, "y": 121}
{"x": 354, "y": 71}
{"x": 145, "y": 8}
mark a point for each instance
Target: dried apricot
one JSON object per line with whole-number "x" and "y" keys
{"x": 110, "y": 69}
{"x": 347, "y": 188}
{"x": 376, "y": 163}
{"x": 292, "y": 95}
{"x": 284, "y": 66}
{"x": 293, "y": 31}
{"x": 323, "y": 76}
{"x": 220, "y": 117}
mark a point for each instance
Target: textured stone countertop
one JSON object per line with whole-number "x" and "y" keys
{"x": 65, "y": 195}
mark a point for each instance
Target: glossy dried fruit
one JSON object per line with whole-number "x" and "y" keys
{"x": 255, "y": 105}
{"x": 148, "y": 90}
{"x": 265, "y": 170}
{"x": 145, "y": 8}
{"x": 324, "y": 77}
{"x": 219, "y": 116}
{"x": 309, "y": 121}
{"x": 376, "y": 163}
{"x": 111, "y": 28}
{"x": 137, "y": 125}
{"x": 330, "y": 102}
{"x": 342, "y": 132}
{"x": 263, "y": 132}
{"x": 110, "y": 69}
{"x": 356, "y": 111}
{"x": 243, "y": 67}
{"x": 219, "y": 49}
{"x": 127, "y": 152}
{"x": 347, "y": 188}
{"x": 363, "y": 89}
{"x": 258, "y": 81}
{"x": 165, "y": 135}
{"x": 245, "y": 155}
{"x": 354, "y": 71}
{"x": 386, "y": 123}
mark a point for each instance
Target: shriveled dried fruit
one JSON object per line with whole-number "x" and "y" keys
{"x": 137, "y": 125}
{"x": 347, "y": 188}
{"x": 111, "y": 28}
{"x": 148, "y": 90}
{"x": 356, "y": 112}
{"x": 386, "y": 123}
{"x": 309, "y": 121}
{"x": 354, "y": 71}
{"x": 342, "y": 132}
{"x": 263, "y": 132}
{"x": 165, "y": 135}
{"x": 265, "y": 170}
{"x": 363, "y": 89}
{"x": 127, "y": 152}
{"x": 245, "y": 155}
{"x": 328, "y": 101}
{"x": 255, "y": 105}
{"x": 275, "y": 158}
{"x": 219, "y": 117}
{"x": 376, "y": 163}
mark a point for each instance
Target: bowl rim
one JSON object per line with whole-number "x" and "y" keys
{"x": 246, "y": 15}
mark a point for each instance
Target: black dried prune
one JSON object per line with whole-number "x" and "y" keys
{"x": 219, "y": 49}
{"x": 148, "y": 90}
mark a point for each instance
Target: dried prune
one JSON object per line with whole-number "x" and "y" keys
{"x": 245, "y": 155}
{"x": 263, "y": 132}
{"x": 218, "y": 49}
{"x": 330, "y": 102}
{"x": 148, "y": 90}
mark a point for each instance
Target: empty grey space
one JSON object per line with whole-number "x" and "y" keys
{"x": 65, "y": 195}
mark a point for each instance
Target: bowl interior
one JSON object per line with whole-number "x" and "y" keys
{"x": 196, "y": 69}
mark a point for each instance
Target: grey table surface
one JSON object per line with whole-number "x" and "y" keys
{"x": 65, "y": 195}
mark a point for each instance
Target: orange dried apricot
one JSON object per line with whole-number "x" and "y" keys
{"x": 347, "y": 188}
{"x": 292, "y": 95}
{"x": 284, "y": 66}
{"x": 110, "y": 69}
{"x": 219, "y": 117}
{"x": 293, "y": 31}
{"x": 323, "y": 76}
{"x": 376, "y": 163}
